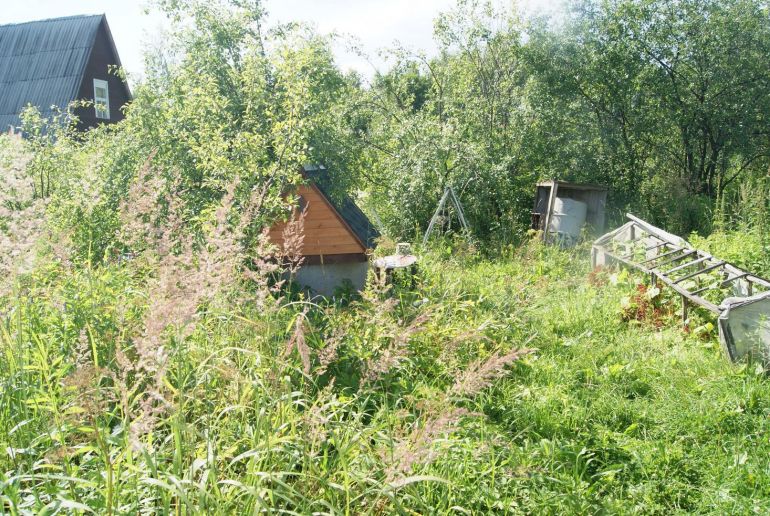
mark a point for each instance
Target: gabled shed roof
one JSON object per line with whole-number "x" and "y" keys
{"x": 42, "y": 63}
{"x": 356, "y": 220}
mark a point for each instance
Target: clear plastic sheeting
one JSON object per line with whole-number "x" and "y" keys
{"x": 744, "y": 327}
{"x": 739, "y": 298}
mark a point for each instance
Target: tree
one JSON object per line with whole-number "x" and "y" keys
{"x": 456, "y": 120}
{"x": 676, "y": 92}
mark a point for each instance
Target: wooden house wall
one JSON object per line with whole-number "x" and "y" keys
{"x": 325, "y": 232}
{"x": 102, "y": 56}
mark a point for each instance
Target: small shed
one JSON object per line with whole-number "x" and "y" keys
{"x": 562, "y": 209}
{"x": 338, "y": 236}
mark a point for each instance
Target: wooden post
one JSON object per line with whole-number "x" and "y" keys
{"x": 685, "y": 308}
{"x": 551, "y": 200}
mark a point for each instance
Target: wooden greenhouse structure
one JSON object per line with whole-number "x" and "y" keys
{"x": 739, "y": 298}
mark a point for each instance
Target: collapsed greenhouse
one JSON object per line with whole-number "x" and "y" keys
{"x": 739, "y": 298}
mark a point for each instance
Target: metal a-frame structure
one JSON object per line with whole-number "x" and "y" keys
{"x": 449, "y": 196}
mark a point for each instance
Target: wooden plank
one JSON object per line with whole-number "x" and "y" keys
{"x": 676, "y": 259}
{"x": 329, "y": 206}
{"x": 329, "y": 233}
{"x": 326, "y": 233}
{"x": 549, "y": 210}
{"x": 312, "y": 224}
{"x": 321, "y": 223}
{"x": 688, "y": 264}
{"x": 675, "y": 250}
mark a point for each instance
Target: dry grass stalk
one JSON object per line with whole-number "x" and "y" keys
{"x": 186, "y": 276}
{"x": 397, "y": 351}
{"x": 330, "y": 352}
{"x": 263, "y": 272}
{"x": 316, "y": 417}
{"x": 271, "y": 264}
{"x": 297, "y": 341}
{"x": 482, "y": 374}
{"x": 293, "y": 243}
{"x": 22, "y": 216}
{"x": 418, "y": 448}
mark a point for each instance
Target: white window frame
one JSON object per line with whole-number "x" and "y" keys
{"x": 102, "y": 104}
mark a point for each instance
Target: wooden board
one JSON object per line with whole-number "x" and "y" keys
{"x": 325, "y": 231}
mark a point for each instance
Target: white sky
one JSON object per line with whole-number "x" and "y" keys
{"x": 375, "y": 23}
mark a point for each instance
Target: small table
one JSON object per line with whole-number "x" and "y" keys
{"x": 401, "y": 260}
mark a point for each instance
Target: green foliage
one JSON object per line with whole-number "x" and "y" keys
{"x": 174, "y": 379}
{"x": 669, "y": 95}
{"x": 457, "y": 120}
{"x": 664, "y": 102}
{"x": 216, "y": 107}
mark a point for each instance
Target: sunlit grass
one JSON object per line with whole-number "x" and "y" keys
{"x": 607, "y": 414}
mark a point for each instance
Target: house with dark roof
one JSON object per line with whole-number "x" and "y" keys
{"x": 55, "y": 62}
{"x": 338, "y": 236}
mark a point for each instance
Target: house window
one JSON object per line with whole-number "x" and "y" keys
{"x": 101, "y": 99}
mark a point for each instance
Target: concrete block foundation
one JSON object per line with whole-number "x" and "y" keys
{"x": 323, "y": 279}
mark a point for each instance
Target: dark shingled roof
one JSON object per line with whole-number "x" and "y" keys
{"x": 42, "y": 63}
{"x": 350, "y": 213}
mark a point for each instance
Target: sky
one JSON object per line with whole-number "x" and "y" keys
{"x": 375, "y": 24}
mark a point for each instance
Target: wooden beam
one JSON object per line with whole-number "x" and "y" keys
{"x": 708, "y": 305}
{"x": 688, "y": 264}
{"x": 684, "y": 310}
{"x": 702, "y": 271}
{"x": 675, "y": 250}
{"x": 684, "y": 292}
{"x": 551, "y": 200}
{"x": 676, "y": 259}
{"x": 725, "y": 282}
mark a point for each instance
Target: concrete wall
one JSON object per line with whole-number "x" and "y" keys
{"x": 323, "y": 279}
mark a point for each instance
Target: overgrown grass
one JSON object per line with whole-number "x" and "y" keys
{"x": 610, "y": 413}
